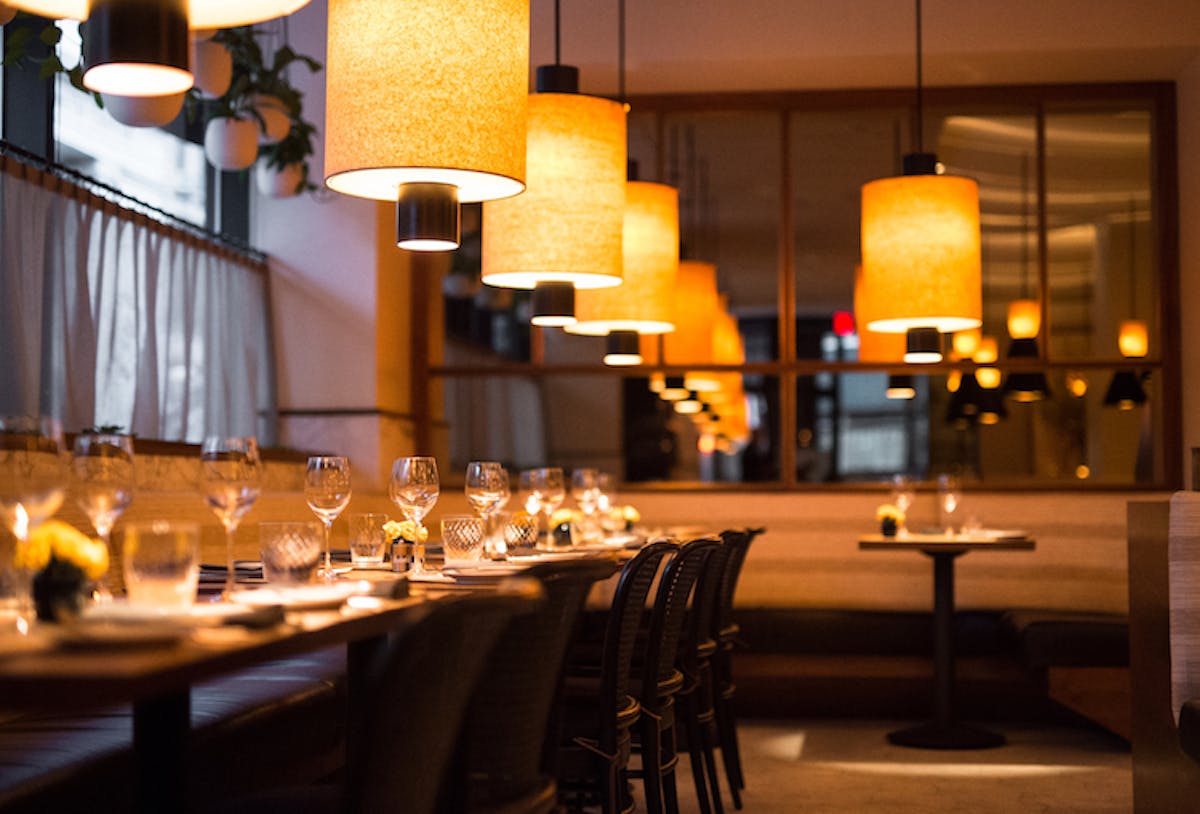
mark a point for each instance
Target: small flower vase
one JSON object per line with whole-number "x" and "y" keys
{"x": 60, "y": 591}
{"x": 562, "y": 535}
{"x": 887, "y": 527}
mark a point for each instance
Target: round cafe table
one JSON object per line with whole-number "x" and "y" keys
{"x": 945, "y": 731}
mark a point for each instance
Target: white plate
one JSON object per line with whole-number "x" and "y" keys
{"x": 301, "y": 597}
{"x": 545, "y": 556}
{"x": 490, "y": 570}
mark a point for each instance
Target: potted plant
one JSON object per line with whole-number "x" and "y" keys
{"x": 212, "y": 67}
{"x": 282, "y": 168}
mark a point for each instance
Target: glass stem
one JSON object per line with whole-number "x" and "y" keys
{"x": 230, "y": 571}
{"x": 328, "y": 558}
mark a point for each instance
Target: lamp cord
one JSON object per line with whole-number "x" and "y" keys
{"x": 1132, "y": 262}
{"x": 920, "y": 94}
{"x": 557, "y": 35}
{"x": 1024, "y": 224}
{"x": 620, "y": 51}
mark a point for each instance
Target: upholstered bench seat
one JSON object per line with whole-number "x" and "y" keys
{"x": 275, "y": 721}
{"x": 1070, "y": 639}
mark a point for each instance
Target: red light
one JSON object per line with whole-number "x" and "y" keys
{"x": 843, "y": 323}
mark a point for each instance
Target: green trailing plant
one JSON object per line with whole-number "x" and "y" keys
{"x": 20, "y": 42}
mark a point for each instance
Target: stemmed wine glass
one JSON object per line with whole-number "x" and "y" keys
{"x": 549, "y": 491}
{"x": 585, "y": 489}
{"x": 327, "y": 492}
{"x": 32, "y": 482}
{"x": 230, "y": 471}
{"x": 102, "y": 470}
{"x": 414, "y": 489}
{"x": 904, "y": 493}
{"x": 949, "y": 499}
{"x": 486, "y": 490}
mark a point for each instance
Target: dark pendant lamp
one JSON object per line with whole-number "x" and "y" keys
{"x": 991, "y": 406}
{"x": 1025, "y": 317}
{"x": 921, "y": 244}
{"x": 1133, "y": 339}
{"x": 553, "y": 305}
{"x": 673, "y": 389}
{"x": 901, "y": 386}
{"x": 963, "y": 410}
{"x": 622, "y": 349}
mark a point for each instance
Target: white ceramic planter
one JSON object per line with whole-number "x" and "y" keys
{"x": 276, "y": 123}
{"x": 212, "y": 66}
{"x": 231, "y": 144}
{"x": 202, "y": 34}
{"x": 277, "y": 183}
{"x": 143, "y": 111}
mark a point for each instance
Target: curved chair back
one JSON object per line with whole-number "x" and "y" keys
{"x": 739, "y": 543}
{"x": 670, "y": 612}
{"x": 620, "y": 637}
{"x": 422, "y": 680}
{"x": 505, "y": 742}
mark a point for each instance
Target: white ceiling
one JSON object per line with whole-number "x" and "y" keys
{"x": 677, "y": 46}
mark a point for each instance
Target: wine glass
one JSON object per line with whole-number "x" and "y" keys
{"x": 586, "y": 491}
{"x": 327, "y": 492}
{"x": 530, "y": 501}
{"x": 549, "y": 490}
{"x": 414, "y": 489}
{"x": 949, "y": 500}
{"x": 32, "y": 483}
{"x": 486, "y": 490}
{"x": 102, "y": 470}
{"x": 904, "y": 494}
{"x": 230, "y": 470}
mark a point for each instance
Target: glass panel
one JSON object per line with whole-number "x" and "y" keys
{"x": 833, "y": 153}
{"x": 727, "y": 166}
{"x": 1101, "y": 249}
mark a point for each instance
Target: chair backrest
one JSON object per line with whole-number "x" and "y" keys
{"x": 739, "y": 541}
{"x": 670, "y": 610}
{"x": 422, "y": 681}
{"x": 620, "y": 636}
{"x": 700, "y": 631}
{"x": 506, "y": 731}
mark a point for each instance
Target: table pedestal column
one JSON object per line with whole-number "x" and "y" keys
{"x": 944, "y": 732}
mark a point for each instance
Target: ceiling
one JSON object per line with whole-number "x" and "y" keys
{"x": 680, "y": 46}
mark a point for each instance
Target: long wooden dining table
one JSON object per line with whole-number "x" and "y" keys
{"x": 157, "y": 680}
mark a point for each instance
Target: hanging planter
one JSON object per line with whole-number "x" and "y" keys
{"x": 143, "y": 111}
{"x": 278, "y": 182}
{"x": 212, "y": 66}
{"x": 275, "y": 119}
{"x": 231, "y": 143}
{"x": 7, "y": 13}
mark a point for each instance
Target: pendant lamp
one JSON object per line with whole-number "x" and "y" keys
{"x": 1025, "y": 317}
{"x": 727, "y": 348}
{"x": 987, "y": 354}
{"x": 139, "y": 48}
{"x": 920, "y": 243}
{"x": 426, "y": 107}
{"x": 1125, "y": 391}
{"x": 695, "y": 309}
{"x": 566, "y": 227}
{"x": 874, "y": 346}
{"x": 642, "y": 304}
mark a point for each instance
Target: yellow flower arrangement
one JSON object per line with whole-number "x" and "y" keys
{"x": 889, "y": 512}
{"x": 57, "y": 540}
{"x": 630, "y": 514}
{"x": 562, "y": 516}
{"x": 406, "y": 530}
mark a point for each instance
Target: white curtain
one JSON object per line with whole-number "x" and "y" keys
{"x": 109, "y": 318}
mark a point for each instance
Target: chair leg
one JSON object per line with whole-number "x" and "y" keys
{"x": 651, "y": 737}
{"x": 730, "y": 754}
{"x": 669, "y": 761}
{"x": 691, "y": 720}
{"x": 708, "y": 733}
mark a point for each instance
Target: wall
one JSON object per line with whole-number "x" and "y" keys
{"x": 1188, "y": 110}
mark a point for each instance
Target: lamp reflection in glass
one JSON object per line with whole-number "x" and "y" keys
{"x": 1133, "y": 339}
{"x": 426, "y": 106}
{"x": 1125, "y": 391}
{"x": 1025, "y": 386}
{"x": 900, "y": 386}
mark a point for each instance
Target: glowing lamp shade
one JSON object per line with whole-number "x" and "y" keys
{"x": 200, "y": 13}
{"x": 900, "y": 387}
{"x": 650, "y": 246}
{"x": 987, "y": 352}
{"x": 988, "y": 377}
{"x": 566, "y": 226}
{"x": 921, "y": 252}
{"x": 728, "y": 348}
{"x": 1024, "y": 319}
{"x": 873, "y": 346}
{"x": 426, "y": 102}
{"x": 695, "y": 306}
{"x": 1133, "y": 339}
{"x": 965, "y": 343}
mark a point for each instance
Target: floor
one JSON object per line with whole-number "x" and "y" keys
{"x": 845, "y": 766}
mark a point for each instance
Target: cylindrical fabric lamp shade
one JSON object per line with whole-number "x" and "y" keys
{"x": 695, "y": 308}
{"x": 421, "y": 92}
{"x": 873, "y": 346}
{"x": 566, "y": 226}
{"x": 1024, "y": 319}
{"x": 136, "y": 48}
{"x": 650, "y": 240}
{"x": 728, "y": 348}
{"x": 1133, "y": 339}
{"x": 987, "y": 352}
{"x": 921, "y": 252}
{"x": 200, "y": 13}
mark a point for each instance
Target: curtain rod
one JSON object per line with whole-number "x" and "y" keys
{"x": 129, "y": 202}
